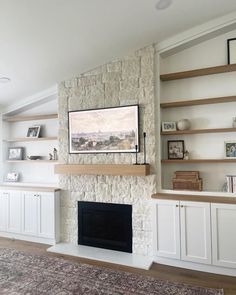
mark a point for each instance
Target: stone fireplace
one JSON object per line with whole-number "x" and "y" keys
{"x": 126, "y": 81}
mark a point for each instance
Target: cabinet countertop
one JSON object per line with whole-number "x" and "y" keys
{"x": 195, "y": 197}
{"x": 29, "y": 188}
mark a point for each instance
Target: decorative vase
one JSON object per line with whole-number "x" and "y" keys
{"x": 183, "y": 124}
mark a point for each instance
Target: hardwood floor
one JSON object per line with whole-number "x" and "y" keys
{"x": 158, "y": 271}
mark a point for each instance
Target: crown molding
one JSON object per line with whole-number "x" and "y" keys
{"x": 31, "y": 101}
{"x": 197, "y": 35}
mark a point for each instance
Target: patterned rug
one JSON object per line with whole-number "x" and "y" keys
{"x": 23, "y": 273}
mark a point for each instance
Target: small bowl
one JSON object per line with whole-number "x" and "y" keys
{"x": 34, "y": 157}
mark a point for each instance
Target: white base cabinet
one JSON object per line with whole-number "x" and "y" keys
{"x": 224, "y": 235}
{"x": 195, "y": 234}
{"x": 29, "y": 215}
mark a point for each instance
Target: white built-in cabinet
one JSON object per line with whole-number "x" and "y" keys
{"x": 183, "y": 230}
{"x": 224, "y": 234}
{"x": 196, "y": 232}
{"x": 30, "y": 215}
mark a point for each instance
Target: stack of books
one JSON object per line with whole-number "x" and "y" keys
{"x": 231, "y": 183}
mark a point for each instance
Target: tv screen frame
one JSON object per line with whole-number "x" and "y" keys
{"x": 104, "y": 130}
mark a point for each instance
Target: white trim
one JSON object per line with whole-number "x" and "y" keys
{"x": 31, "y": 101}
{"x": 195, "y": 266}
{"x": 22, "y": 237}
{"x": 197, "y": 34}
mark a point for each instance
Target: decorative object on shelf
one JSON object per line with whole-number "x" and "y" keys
{"x": 109, "y": 130}
{"x": 50, "y": 156}
{"x": 15, "y": 153}
{"x": 183, "y": 124}
{"x": 168, "y": 126}
{"x": 231, "y": 183}
{"x": 136, "y": 155}
{"x": 34, "y": 157}
{"x": 55, "y": 155}
{"x": 231, "y": 45}
{"x": 230, "y": 149}
{"x": 12, "y": 177}
{"x": 234, "y": 122}
{"x": 225, "y": 187}
{"x": 186, "y": 155}
{"x": 175, "y": 149}
{"x": 187, "y": 180}
{"x": 144, "y": 149}
{"x": 33, "y": 131}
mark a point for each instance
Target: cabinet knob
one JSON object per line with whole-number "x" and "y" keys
{"x": 176, "y": 206}
{"x": 182, "y": 206}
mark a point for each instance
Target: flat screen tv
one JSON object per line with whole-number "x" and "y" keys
{"x": 108, "y": 130}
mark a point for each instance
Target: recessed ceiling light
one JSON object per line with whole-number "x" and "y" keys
{"x": 4, "y": 80}
{"x": 163, "y": 4}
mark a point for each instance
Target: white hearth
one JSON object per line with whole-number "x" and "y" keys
{"x": 115, "y": 257}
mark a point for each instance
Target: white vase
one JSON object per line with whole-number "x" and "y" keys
{"x": 183, "y": 124}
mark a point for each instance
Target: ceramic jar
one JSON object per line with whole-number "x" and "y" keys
{"x": 183, "y": 124}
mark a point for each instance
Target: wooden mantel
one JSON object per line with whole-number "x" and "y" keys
{"x": 103, "y": 169}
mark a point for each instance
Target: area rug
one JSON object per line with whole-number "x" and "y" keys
{"x": 26, "y": 274}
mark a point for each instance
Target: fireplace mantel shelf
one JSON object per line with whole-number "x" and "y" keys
{"x": 103, "y": 169}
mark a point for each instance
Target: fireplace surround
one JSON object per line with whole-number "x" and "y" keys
{"x": 105, "y": 225}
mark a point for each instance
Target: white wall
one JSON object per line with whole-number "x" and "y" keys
{"x": 210, "y": 53}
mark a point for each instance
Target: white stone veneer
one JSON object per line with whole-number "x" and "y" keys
{"x": 126, "y": 81}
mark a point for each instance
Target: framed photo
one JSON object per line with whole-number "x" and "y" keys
{"x": 12, "y": 177}
{"x": 15, "y": 153}
{"x": 109, "y": 130}
{"x": 175, "y": 149}
{"x": 168, "y": 126}
{"x": 230, "y": 149}
{"x": 33, "y": 131}
{"x": 231, "y": 45}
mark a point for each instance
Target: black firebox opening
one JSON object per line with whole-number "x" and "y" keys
{"x": 105, "y": 225}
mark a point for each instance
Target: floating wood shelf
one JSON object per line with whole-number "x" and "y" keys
{"x": 192, "y": 161}
{"x": 32, "y": 161}
{"x": 194, "y": 198}
{"x": 198, "y": 72}
{"x": 198, "y": 131}
{"x": 24, "y": 139}
{"x": 30, "y": 118}
{"x": 194, "y": 102}
{"x": 103, "y": 169}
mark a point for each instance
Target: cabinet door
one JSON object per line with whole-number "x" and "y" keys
{"x": 46, "y": 215}
{"x": 224, "y": 235}
{"x": 4, "y": 197}
{"x": 168, "y": 232}
{"x": 30, "y": 213}
{"x": 195, "y": 232}
{"x": 14, "y": 212}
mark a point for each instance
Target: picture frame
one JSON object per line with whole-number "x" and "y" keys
{"x": 105, "y": 130}
{"x": 168, "y": 126}
{"x": 12, "y": 177}
{"x": 15, "y": 153}
{"x": 175, "y": 149}
{"x": 231, "y": 50}
{"x": 33, "y": 131}
{"x": 230, "y": 149}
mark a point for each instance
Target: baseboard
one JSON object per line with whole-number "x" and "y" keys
{"x": 33, "y": 239}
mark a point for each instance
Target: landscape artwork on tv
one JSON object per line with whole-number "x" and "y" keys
{"x": 108, "y": 130}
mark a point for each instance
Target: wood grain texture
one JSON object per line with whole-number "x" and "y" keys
{"x": 195, "y": 102}
{"x": 29, "y": 188}
{"x": 103, "y": 169}
{"x": 31, "y": 139}
{"x": 194, "y": 198}
{"x": 198, "y": 72}
{"x": 199, "y": 131}
{"x": 173, "y": 274}
{"x": 192, "y": 161}
{"x": 30, "y": 118}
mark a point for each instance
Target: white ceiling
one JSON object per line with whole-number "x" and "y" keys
{"x": 43, "y": 42}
